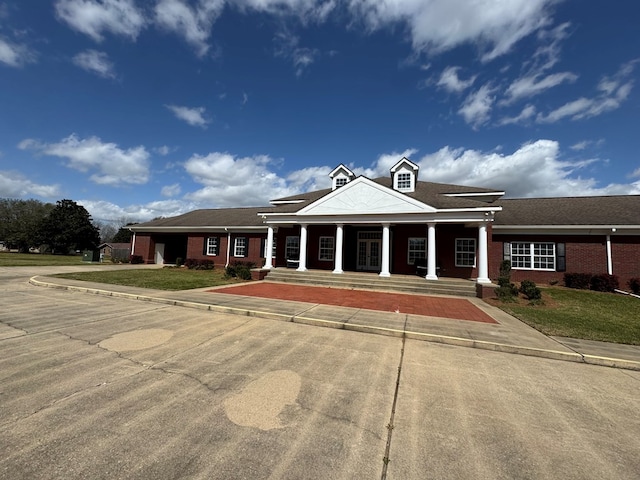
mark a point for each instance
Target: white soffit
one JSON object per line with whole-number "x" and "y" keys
{"x": 362, "y": 196}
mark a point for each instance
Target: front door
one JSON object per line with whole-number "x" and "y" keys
{"x": 159, "y": 253}
{"x": 369, "y": 251}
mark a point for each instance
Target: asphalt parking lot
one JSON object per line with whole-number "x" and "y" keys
{"x": 104, "y": 388}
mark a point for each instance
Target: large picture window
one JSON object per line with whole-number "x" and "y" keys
{"x": 240, "y": 247}
{"x": 292, "y": 248}
{"x": 465, "y": 252}
{"x": 533, "y": 255}
{"x": 212, "y": 246}
{"x": 416, "y": 250}
{"x": 325, "y": 252}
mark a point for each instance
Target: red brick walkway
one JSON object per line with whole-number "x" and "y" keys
{"x": 456, "y": 308}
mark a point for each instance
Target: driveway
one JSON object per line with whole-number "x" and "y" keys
{"x": 103, "y": 388}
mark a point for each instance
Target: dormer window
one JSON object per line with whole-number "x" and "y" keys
{"x": 404, "y": 182}
{"x": 404, "y": 175}
{"x": 340, "y": 176}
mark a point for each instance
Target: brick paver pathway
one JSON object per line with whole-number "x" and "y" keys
{"x": 455, "y": 308}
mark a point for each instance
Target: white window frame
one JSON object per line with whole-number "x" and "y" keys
{"x": 469, "y": 248}
{"x": 240, "y": 247}
{"x": 289, "y": 247}
{"x": 341, "y": 181}
{"x": 326, "y": 247}
{"x": 413, "y": 253}
{"x": 213, "y": 246}
{"x": 529, "y": 256}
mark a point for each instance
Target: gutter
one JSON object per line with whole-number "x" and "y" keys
{"x": 228, "y": 246}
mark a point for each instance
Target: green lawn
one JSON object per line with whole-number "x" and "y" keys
{"x": 37, "y": 260}
{"x": 582, "y": 314}
{"x": 162, "y": 278}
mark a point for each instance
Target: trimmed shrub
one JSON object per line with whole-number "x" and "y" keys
{"x": 634, "y": 285}
{"x": 179, "y": 261}
{"x": 197, "y": 264}
{"x": 530, "y": 290}
{"x": 506, "y": 291}
{"x": 604, "y": 283}
{"x": 581, "y": 281}
{"x": 241, "y": 270}
{"x": 136, "y": 259}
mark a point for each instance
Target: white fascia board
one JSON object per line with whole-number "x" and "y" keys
{"x": 568, "y": 229}
{"x": 199, "y": 229}
{"x": 395, "y": 219}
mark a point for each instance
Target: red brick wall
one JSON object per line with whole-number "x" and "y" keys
{"x": 196, "y": 248}
{"x": 584, "y": 254}
{"x": 145, "y": 247}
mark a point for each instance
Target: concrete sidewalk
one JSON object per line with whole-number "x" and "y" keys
{"x": 507, "y": 335}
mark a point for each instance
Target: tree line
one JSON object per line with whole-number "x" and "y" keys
{"x": 63, "y": 228}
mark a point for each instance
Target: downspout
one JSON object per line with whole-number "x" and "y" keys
{"x": 609, "y": 259}
{"x": 133, "y": 244}
{"x": 228, "y": 246}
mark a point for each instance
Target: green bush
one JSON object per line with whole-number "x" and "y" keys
{"x": 634, "y": 285}
{"x": 241, "y": 270}
{"x": 580, "y": 281}
{"x": 136, "y": 259}
{"x": 506, "y": 291}
{"x": 604, "y": 283}
{"x": 199, "y": 264}
{"x": 530, "y": 290}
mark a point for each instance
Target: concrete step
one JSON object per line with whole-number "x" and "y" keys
{"x": 371, "y": 281}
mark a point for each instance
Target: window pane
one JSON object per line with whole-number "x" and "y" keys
{"x": 465, "y": 252}
{"x": 292, "y": 248}
{"x": 417, "y": 250}
{"x": 326, "y": 249}
{"x": 240, "y": 247}
{"x": 212, "y": 246}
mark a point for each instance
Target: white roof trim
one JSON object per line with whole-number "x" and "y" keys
{"x": 403, "y": 160}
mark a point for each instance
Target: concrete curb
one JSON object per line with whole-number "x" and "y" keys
{"x": 301, "y": 319}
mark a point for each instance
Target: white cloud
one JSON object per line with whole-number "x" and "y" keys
{"x": 477, "y": 106}
{"x": 450, "y": 81}
{"x": 109, "y": 212}
{"x": 613, "y": 92}
{"x": 113, "y": 165}
{"x": 440, "y": 25}
{"x": 235, "y": 181}
{"x": 534, "y": 170}
{"x": 94, "y": 18}
{"x": 15, "y": 54}
{"x": 164, "y": 150}
{"x": 528, "y": 86}
{"x": 194, "y": 24}
{"x": 527, "y": 113}
{"x": 170, "y": 190}
{"x": 193, "y": 116}
{"x": 15, "y": 185}
{"x": 95, "y": 62}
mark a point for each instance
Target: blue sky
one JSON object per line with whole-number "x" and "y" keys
{"x": 145, "y": 108}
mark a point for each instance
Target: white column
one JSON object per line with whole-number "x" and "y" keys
{"x": 384, "y": 267}
{"x": 302, "y": 265}
{"x": 133, "y": 244}
{"x": 268, "y": 261}
{"x": 338, "y": 255}
{"x": 431, "y": 252}
{"x": 609, "y": 260}
{"x": 483, "y": 256}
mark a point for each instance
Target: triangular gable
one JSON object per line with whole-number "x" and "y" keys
{"x": 361, "y": 197}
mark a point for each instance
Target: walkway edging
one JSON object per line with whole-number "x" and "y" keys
{"x": 426, "y": 337}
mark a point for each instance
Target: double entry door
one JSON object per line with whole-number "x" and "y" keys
{"x": 369, "y": 251}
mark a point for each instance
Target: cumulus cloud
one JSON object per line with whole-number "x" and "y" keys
{"x": 476, "y": 108}
{"x": 235, "y": 181}
{"x": 450, "y": 81}
{"x": 612, "y": 92}
{"x": 94, "y": 18}
{"x": 109, "y": 212}
{"x": 193, "y": 116}
{"x": 95, "y": 62}
{"x": 113, "y": 165}
{"x": 171, "y": 190}
{"x": 535, "y": 169}
{"x": 16, "y": 185}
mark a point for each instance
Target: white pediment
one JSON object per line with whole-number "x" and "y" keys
{"x": 362, "y": 197}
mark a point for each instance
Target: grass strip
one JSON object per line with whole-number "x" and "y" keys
{"x": 161, "y": 279}
{"x": 582, "y": 314}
